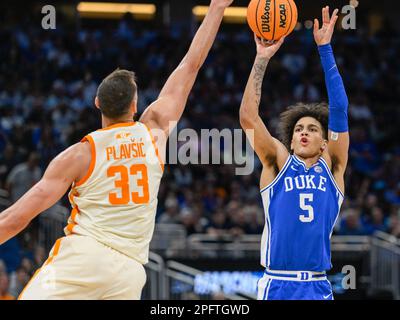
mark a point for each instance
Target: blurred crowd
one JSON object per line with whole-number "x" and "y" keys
{"x": 48, "y": 80}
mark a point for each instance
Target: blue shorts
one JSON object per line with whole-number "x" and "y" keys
{"x": 274, "y": 288}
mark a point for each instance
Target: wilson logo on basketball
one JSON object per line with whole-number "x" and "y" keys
{"x": 283, "y": 16}
{"x": 265, "y": 18}
{"x": 272, "y": 20}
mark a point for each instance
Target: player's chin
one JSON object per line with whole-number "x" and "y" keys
{"x": 305, "y": 152}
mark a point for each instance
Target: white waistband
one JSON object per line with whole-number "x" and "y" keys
{"x": 295, "y": 275}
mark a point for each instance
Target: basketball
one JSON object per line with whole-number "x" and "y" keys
{"x": 272, "y": 19}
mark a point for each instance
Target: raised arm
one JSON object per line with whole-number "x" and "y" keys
{"x": 270, "y": 151}
{"x": 339, "y": 140}
{"x": 62, "y": 171}
{"x": 173, "y": 97}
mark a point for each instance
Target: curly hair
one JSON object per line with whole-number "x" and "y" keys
{"x": 289, "y": 118}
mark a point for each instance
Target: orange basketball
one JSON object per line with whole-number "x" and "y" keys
{"x": 272, "y": 19}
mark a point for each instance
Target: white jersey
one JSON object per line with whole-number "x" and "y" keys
{"x": 115, "y": 203}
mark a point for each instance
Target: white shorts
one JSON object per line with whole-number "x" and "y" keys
{"x": 81, "y": 268}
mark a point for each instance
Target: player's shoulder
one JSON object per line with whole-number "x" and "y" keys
{"x": 332, "y": 164}
{"x": 276, "y": 162}
{"x": 327, "y": 159}
{"x": 78, "y": 153}
{"x": 336, "y": 172}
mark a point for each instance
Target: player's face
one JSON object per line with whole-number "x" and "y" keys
{"x": 308, "y": 138}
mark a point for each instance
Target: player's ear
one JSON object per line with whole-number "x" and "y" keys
{"x": 134, "y": 105}
{"x": 97, "y": 103}
{"x": 324, "y": 145}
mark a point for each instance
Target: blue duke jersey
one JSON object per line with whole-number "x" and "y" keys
{"x": 301, "y": 208}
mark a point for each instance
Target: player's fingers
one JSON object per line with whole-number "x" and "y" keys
{"x": 334, "y": 15}
{"x": 256, "y": 39}
{"x": 280, "y": 42}
{"x": 267, "y": 43}
{"x": 328, "y": 15}
{"x": 335, "y": 19}
{"x": 333, "y": 23}
{"x": 325, "y": 13}
{"x": 316, "y": 25}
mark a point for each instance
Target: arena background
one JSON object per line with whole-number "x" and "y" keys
{"x": 209, "y": 221}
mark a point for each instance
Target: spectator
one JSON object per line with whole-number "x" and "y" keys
{"x": 4, "y": 287}
{"x": 219, "y": 224}
{"x": 10, "y": 254}
{"x": 171, "y": 214}
{"x": 376, "y": 222}
{"x": 351, "y": 223}
{"x": 3, "y": 267}
{"x": 394, "y": 224}
{"x": 18, "y": 281}
{"x": 192, "y": 220}
{"x": 39, "y": 257}
{"x": 364, "y": 152}
{"x": 8, "y": 159}
{"x": 23, "y": 177}
{"x": 393, "y": 195}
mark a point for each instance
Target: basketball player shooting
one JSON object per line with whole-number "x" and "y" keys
{"x": 115, "y": 175}
{"x": 302, "y": 182}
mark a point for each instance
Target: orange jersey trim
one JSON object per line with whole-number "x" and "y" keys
{"x": 74, "y": 212}
{"x": 118, "y": 125}
{"x": 155, "y": 147}
{"x": 55, "y": 252}
{"x": 92, "y": 160}
{"x": 71, "y": 197}
{"x": 48, "y": 261}
{"x": 70, "y": 228}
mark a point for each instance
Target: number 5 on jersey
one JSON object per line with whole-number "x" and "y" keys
{"x": 306, "y": 207}
{"x": 123, "y": 184}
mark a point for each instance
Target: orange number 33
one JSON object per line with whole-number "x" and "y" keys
{"x": 123, "y": 185}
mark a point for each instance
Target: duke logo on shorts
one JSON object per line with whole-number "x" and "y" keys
{"x": 301, "y": 208}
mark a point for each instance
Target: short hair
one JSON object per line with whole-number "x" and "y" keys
{"x": 116, "y": 93}
{"x": 289, "y": 118}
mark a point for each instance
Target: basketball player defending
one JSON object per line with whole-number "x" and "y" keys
{"x": 115, "y": 174}
{"x": 302, "y": 182}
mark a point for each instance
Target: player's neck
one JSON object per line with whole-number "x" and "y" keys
{"x": 309, "y": 162}
{"x": 106, "y": 122}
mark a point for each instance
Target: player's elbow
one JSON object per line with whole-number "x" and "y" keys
{"x": 244, "y": 122}
{"x": 247, "y": 119}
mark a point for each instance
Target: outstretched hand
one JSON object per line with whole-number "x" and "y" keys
{"x": 324, "y": 34}
{"x": 266, "y": 50}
